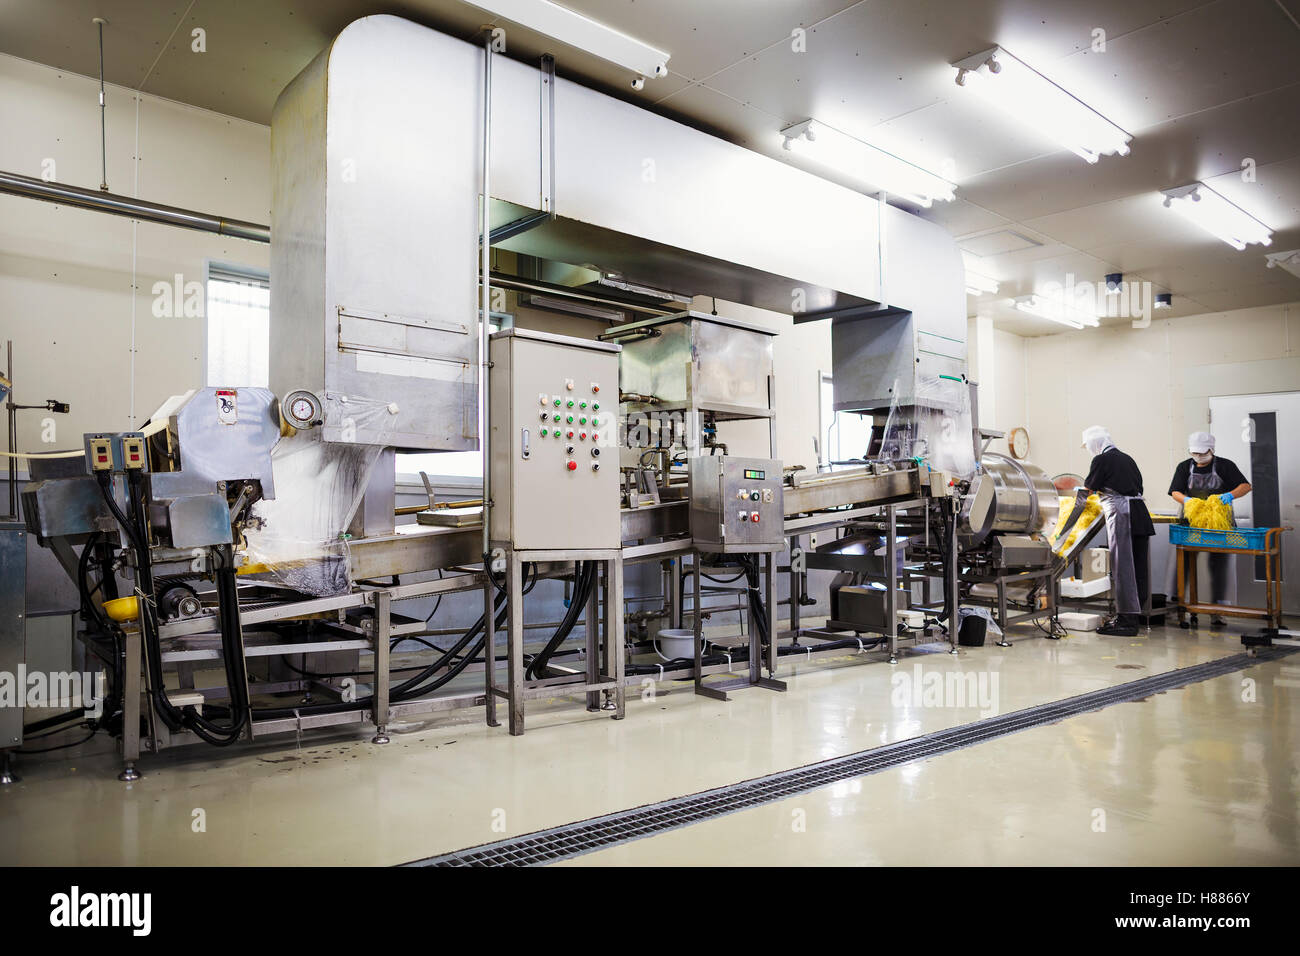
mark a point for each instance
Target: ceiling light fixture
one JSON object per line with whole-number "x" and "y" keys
{"x": 1202, "y": 205}
{"x": 1290, "y": 261}
{"x": 1164, "y": 300}
{"x": 977, "y": 284}
{"x": 575, "y": 30}
{"x": 861, "y": 160}
{"x": 1026, "y": 94}
{"x": 1114, "y": 282}
{"x": 1057, "y": 310}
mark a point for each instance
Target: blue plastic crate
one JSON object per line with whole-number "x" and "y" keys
{"x": 1238, "y": 539}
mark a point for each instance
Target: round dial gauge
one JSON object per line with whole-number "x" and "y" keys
{"x": 301, "y": 409}
{"x": 1018, "y": 443}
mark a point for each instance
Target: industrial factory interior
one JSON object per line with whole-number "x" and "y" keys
{"x": 692, "y": 433}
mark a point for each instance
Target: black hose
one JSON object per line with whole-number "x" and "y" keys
{"x": 584, "y": 581}
{"x": 176, "y": 718}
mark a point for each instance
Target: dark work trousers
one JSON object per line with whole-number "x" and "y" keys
{"x": 1142, "y": 568}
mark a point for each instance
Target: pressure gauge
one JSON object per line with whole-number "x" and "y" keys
{"x": 1018, "y": 444}
{"x": 302, "y": 409}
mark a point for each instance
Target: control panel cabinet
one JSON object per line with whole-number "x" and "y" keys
{"x": 554, "y": 441}
{"x": 736, "y": 504}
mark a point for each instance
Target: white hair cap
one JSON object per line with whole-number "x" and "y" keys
{"x": 1097, "y": 439}
{"x": 1198, "y": 443}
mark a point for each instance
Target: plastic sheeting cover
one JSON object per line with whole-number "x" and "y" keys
{"x": 300, "y": 538}
{"x": 937, "y": 429}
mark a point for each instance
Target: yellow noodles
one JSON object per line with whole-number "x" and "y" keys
{"x": 1091, "y": 509}
{"x": 1209, "y": 513}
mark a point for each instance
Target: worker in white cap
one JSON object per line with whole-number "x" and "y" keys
{"x": 1200, "y": 476}
{"x": 1117, "y": 481}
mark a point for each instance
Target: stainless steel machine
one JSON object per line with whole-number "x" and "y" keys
{"x": 257, "y": 528}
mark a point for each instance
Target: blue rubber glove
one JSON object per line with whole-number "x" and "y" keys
{"x": 1226, "y": 497}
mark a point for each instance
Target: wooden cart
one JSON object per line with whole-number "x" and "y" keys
{"x": 1256, "y": 542}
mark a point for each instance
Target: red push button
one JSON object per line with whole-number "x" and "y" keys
{"x": 754, "y": 517}
{"x": 572, "y": 466}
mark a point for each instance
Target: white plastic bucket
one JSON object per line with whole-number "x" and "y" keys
{"x": 676, "y": 642}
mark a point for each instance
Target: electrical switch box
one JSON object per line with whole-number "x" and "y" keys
{"x": 736, "y": 504}
{"x": 554, "y": 441}
{"x": 117, "y": 452}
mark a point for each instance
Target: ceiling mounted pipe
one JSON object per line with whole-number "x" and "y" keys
{"x": 16, "y": 185}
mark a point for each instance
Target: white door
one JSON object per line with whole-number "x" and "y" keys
{"x": 1259, "y": 433}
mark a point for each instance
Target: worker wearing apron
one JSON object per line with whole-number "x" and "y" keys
{"x": 1117, "y": 481}
{"x": 1203, "y": 475}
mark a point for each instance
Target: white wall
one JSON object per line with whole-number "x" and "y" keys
{"x": 997, "y": 361}
{"x": 76, "y": 286}
{"x": 1147, "y": 385}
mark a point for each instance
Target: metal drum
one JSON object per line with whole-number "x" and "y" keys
{"x": 1008, "y": 496}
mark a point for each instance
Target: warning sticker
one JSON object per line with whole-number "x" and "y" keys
{"x": 227, "y": 406}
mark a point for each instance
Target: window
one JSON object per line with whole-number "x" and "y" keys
{"x": 239, "y": 327}
{"x": 844, "y": 435}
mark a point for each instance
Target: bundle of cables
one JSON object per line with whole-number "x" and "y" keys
{"x": 584, "y": 582}
{"x": 136, "y": 528}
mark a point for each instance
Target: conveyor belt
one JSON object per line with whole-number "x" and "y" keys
{"x": 597, "y": 833}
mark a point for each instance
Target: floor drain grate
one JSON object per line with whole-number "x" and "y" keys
{"x": 597, "y": 833}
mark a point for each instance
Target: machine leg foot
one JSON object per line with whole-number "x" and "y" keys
{"x": 381, "y": 736}
{"x": 609, "y": 701}
{"x": 893, "y": 659}
{"x": 1004, "y": 643}
{"x": 7, "y": 775}
{"x": 129, "y": 774}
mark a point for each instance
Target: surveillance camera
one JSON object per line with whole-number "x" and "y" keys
{"x": 639, "y": 83}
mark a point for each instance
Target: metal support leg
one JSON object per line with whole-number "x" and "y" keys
{"x": 953, "y": 589}
{"x": 7, "y": 775}
{"x": 615, "y": 645}
{"x": 131, "y": 706}
{"x": 891, "y": 581}
{"x": 383, "y": 628}
{"x": 698, "y": 615}
{"x": 796, "y": 592}
{"x": 515, "y": 636}
{"x": 593, "y": 648}
{"x": 489, "y": 651}
{"x": 769, "y": 600}
{"x": 1002, "y": 611}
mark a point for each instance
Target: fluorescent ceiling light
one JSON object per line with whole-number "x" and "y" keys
{"x": 1009, "y": 84}
{"x": 861, "y": 160}
{"x": 1203, "y": 206}
{"x": 1057, "y": 310}
{"x": 1290, "y": 261}
{"x": 977, "y": 284}
{"x": 576, "y": 30}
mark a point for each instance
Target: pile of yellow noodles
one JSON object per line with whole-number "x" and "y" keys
{"x": 1209, "y": 513}
{"x": 1091, "y": 510}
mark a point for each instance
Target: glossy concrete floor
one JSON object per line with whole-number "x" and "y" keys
{"x": 1202, "y": 775}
